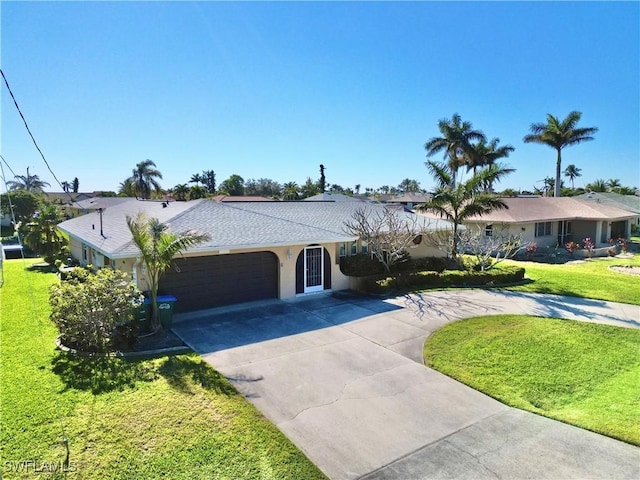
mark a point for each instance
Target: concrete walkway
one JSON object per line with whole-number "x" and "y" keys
{"x": 342, "y": 376}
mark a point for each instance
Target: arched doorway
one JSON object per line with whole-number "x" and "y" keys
{"x": 313, "y": 270}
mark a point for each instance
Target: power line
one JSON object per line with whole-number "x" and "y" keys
{"x": 15, "y": 102}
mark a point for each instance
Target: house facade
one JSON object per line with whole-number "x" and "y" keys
{"x": 256, "y": 250}
{"x": 552, "y": 222}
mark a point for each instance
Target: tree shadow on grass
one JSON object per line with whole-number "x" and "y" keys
{"x": 181, "y": 372}
{"x": 100, "y": 374}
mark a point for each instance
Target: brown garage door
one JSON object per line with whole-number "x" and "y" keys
{"x": 213, "y": 281}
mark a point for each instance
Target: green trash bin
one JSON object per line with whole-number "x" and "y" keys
{"x": 166, "y": 305}
{"x": 143, "y": 315}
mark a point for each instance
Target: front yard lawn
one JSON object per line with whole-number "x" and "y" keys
{"x": 590, "y": 279}
{"x": 580, "y": 373}
{"x": 173, "y": 417}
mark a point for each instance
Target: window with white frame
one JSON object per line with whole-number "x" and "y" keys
{"x": 364, "y": 247}
{"x": 543, "y": 229}
{"x": 354, "y": 248}
{"x": 342, "y": 252}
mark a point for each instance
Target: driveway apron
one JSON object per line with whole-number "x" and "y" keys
{"x": 342, "y": 376}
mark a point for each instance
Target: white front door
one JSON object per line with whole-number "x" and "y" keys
{"x": 313, "y": 269}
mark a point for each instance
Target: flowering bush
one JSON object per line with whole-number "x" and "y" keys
{"x": 530, "y": 250}
{"x": 571, "y": 247}
{"x": 620, "y": 243}
{"x": 589, "y": 246}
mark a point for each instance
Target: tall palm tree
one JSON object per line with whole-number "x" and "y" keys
{"x": 458, "y": 202}
{"x": 482, "y": 154}
{"x": 30, "y": 183}
{"x": 559, "y": 134}
{"x": 144, "y": 177}
{"x": 455, "y": 141}
{"x": 572, "y": 172}
{"x": 158, "y": 245}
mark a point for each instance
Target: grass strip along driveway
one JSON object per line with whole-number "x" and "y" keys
{"x": 589, "y": 279}
{"x": 173, "y": 417}
{"x": 580, "y": 373}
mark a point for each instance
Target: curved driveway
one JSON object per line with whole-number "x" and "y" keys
{"x": 342, "y": 376}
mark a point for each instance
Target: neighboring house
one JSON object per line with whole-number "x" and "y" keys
{"x": 336, "y": 197}
{"x": 257, "y": 250}
{"x": 409, "y": 199}
{"x": 241, "y": 198}
{"x": 67, "y": 198}
{"x": 90, "y": 205}
{"x": 551, "y": 221}
{"x": 624, "y": 202}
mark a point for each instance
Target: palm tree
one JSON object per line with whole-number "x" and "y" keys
{"x": 66, "y": 186}
{"x": 158, "y": 245}
{"x": 127, "y": 188}
{"x": 290, "y": 191}
{"x": 145, "y": 177}
{"x": 180, "y": 192}
{"x": 30, "y": 183}
{"x": 408, "y": 185}
{"x": 458, "y": 202}
{"x": 482, "y": 154}
{"x": 559, "y": 134}
{"x": 598, "y": 185}
{"x": 455, "y": 141}
{"x": 572, "y": 172}
{"x": 42, "y": 234}
{"x": 613, "y": 183}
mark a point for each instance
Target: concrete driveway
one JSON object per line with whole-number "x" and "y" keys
{"x": 342, "y": 376}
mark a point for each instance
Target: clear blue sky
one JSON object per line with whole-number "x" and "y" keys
{"x": 275, "y": 89}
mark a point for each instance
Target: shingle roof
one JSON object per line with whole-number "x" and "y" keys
{"x": 625, "y": 202}
{"x": 229, "y": 225}
{"x": 539, "y": 209}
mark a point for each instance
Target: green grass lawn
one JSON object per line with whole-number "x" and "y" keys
{"x": 173, "y": 417}
{"x": 580, "y": 373}
{"x": 591, "y": 279}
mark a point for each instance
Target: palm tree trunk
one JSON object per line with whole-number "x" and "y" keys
{"x": 556, "y": 187}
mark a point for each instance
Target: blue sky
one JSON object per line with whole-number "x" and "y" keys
{"x": 274, "y": 89}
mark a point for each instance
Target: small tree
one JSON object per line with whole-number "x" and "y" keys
{"x": 87, "y": 308}
{"x": 387, "y": 233}
{"x": 488, "y": 251}
{"x": 158, "y": 245}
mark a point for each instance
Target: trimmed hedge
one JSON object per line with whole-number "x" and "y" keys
{"x": 365, "y": 266}
{"x": 448, "y": 278}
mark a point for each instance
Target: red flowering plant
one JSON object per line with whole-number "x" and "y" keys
{"x": 589, "y": 246}
{"x": 571, "y": 247}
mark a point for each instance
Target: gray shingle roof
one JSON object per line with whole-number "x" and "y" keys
{"x": 230, "y": 225}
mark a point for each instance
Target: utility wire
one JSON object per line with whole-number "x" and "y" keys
{"x": 15, "y": 102}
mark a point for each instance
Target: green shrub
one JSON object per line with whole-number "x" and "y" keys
{"x": 364, "y": 265}
{"x": 360, "y": 266}
{"x": 92, "y": 310}
{"x": 448, "y": 278}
